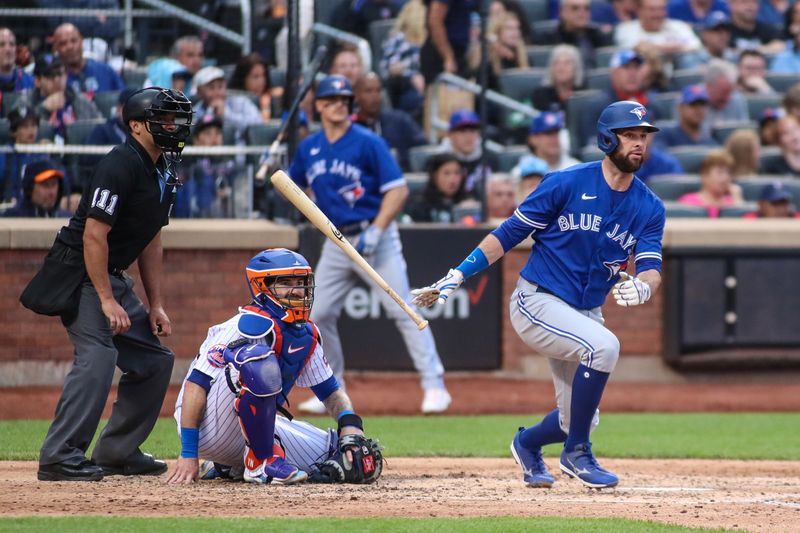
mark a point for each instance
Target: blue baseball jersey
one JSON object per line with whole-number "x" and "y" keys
{"x": 585, "y": 233}
{"x": 95, "y": 77}
{"x": 348, "y": 177}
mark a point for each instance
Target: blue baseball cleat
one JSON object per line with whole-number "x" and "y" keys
{"x": 275, "y": 470}
{"x": 581, "y": 464}
{"x": 534, "y": 471}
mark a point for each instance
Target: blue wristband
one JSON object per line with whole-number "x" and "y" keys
{"x": 189, "y": 442}
{"x": 474, "y": 263}
{"x": 346, "y": 412}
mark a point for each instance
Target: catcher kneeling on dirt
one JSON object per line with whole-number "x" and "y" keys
{"x": 227, "y": 410}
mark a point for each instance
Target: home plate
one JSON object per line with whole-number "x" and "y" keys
{"x": 664, "y": 489}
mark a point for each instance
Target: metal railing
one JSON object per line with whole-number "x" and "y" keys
{"x": 437, "y": 124}
{"x": 160, "y": 9}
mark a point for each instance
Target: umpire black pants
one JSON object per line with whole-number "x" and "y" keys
{"x": 146, "y": 367}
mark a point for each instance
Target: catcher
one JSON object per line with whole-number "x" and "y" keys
{"x": 227, "y": 409}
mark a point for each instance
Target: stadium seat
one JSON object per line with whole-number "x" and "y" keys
{"x": 418, "y": 156}
{"x": 461, "y": 212}
{"x": 782, "y": 81}
{"x": 379, "y": 30}
{"x": 603, "y": 55}
{"x": 683, "y": 77}
{"x": 670, "y": 187}
{"x": 263, "y": 134}
{"x": 752, "y": 186}
{"x": 277, "y": 77}
{"x": 46, "y": 131}
{"x": 106, "y": 101}
{"x": 583, "y": 108}
{"x": 723, "y": 130}
{"x": 9, "y": 101}
{"x": 538, "y": 56}
{"x": 543, "y": 26}
{"x": 665, "y": 106}
{"x": 690, "y": 157}
{"x": 519, "y": 83}
{"x": 134, "y": 77}
{"x": 536, "y": 10}
{"x": 591, "y": 153}
{"x": 229, "y": 136}
{"x": 676, "y": 210}
{"x": 757, "y": 103}
{"x": 769, "y": 154}
{"x": 508, "y": 158}
{"x": 416, "y": 182}
{"x": 80, "y": 129}
{"x": 329, "y": 11}
{"x": 5, "y": 130}
{"x": 738, "y": 211}
{"x": 598, "y": 78}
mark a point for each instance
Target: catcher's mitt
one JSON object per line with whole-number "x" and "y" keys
{"x": 366, "y": 466}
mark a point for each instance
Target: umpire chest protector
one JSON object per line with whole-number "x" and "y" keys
{"x": 293, "y": 344}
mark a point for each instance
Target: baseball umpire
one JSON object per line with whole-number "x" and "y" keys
{"x": 118, "y": 221}
{"x": 588, "y": 222}
{"x": 227, "y": 410}
{"x": 360, "y": 188}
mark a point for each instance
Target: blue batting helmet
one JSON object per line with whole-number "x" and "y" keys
{"x": 269, "y": 266}
{"x": 618, "y": 116}
{"x": 334, "y": 85}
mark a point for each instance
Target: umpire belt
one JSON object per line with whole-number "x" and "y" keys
{"x": 355, "y": 228}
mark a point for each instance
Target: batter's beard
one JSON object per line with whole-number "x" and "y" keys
{"x": 624, "y": 164}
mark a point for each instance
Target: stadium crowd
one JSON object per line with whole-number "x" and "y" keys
{"x": 720, "y": 78}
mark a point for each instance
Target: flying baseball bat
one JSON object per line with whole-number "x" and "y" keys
{"x": 281, "y": 181}
{"x": 308, "y": 80}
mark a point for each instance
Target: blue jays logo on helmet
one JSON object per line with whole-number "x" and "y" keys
{"x": 618, "y": 116}
{"x": 334, "y": 85}
{"x": 269, "y": 266}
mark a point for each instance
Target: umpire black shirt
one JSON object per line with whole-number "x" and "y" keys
{"x": 129, "y": 193}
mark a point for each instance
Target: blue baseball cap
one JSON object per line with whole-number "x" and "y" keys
{"x": 546, "y": 122}
{"x": 464, "y": 118}
{"x": 623, "y": 57}
{"x": 694, "y": 93}
{"x": 776, "y": 192}
{"x": 714, "y": 20}
{"x": 532, "y": 166}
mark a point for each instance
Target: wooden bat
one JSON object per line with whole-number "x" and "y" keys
{"x": 282, "y": 182}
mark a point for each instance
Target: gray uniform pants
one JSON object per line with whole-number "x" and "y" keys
{"x": 146, "y": 367}
{"x": 336, "y": 274}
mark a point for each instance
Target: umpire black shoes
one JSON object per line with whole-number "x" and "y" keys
{"x": 70, "y": 470}
{"x": 142, "y": 464}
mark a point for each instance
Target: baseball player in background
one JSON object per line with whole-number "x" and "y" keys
{"x": 588, "y": 221}
{"x": 358, "y": 185}
{"x": 227, "y": 407}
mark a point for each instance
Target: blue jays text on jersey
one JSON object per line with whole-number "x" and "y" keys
{"x": 348, "y": 177}
{"x": 585, "y": 233}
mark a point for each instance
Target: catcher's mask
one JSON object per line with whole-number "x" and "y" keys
{"x": 282, "y": 281}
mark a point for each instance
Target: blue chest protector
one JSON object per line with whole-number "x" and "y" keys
{"x": 293, "y": 344}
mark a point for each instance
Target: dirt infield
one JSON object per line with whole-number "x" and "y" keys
{"x": 750, "y": 496}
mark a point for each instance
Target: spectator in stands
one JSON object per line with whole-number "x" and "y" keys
{"x": 100, "y": 26}
{"x": 791, "y": 101}
{"x": 501, "y": 198}
{"x": 789, "y": 143}
{"x": 251, "y": 75}
{"x": 188, "y": 50}
{"x": 626, "y": 78}
{"x": 608, "y": 14}
{"x": 674, "y": 39}
{"x": 168, "y": 73}
{"x": 42, "y": 189}
{"x": 715, "y": 33}
{"x": 464, "y": 141}
{"x": 768, "y": 125}
{"x": 53, "y": 101}
{"x": 655, "y": 73}
{"x": 726, "y": 103}
{"x": 748, "y": 32}
{"x": 752, "y": 73}
{"x": 692, "y": 112}
{"x": 695, "y": 12}
{"x": 774, "y": 12}
{"x": 506, "y": 47}
{"x": 564, "y": 76}
{"x": 362, "y": 13}
{"x": 238, "y": 111}
{"x": 207, "y": 181}
{"x": 445, "y": 50}
{"x": 12, "y": 78}
{"x": 575, "y": 28}
{"x": 23, "y": 127}
{"x": 775, "y": 201}
{"x": 788, "y": 60}
{"x": 443, "y": 192}
{"x": 514, "y": 6}
{"x": 396, "y": 127}
{"x": 400, "y": 62}
{"x": 346, "y": 61}
{"x": 717, "y": 189}
{"x": 658, "y": 162}
{"x": 745, "y": 149}
{"x": 545, "y": 143}
{"x": 531, "y": 173}
{"x": 83, "y": 75}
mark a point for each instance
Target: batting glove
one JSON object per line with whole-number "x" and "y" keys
{"x": 631, "y": 291}
{"x": 439, "y": 291}
{"x": 368, "y": 240}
